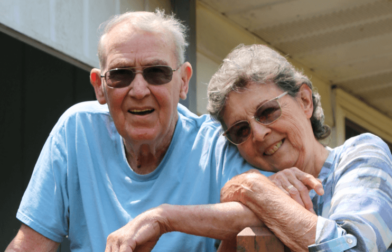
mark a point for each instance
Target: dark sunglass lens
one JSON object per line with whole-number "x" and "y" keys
{"x": 119, "y": 77}
{"x": 239, "y": 132}
{"x": 268, "y": 112}
{"x": 158, "y": 75}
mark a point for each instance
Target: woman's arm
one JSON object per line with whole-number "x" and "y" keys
{"x": 357, "y": 207}
{"x": 220, "y": 221}
{"x": 289, "y": 221}
{"x": 355, "y": 214}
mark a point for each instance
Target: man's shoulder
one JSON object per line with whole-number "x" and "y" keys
{"x": 87, "y": 111}
{"x": 197, "y": 121}
{"x": 92, "y": 107}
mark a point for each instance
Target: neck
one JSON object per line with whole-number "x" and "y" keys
{"x": 145, "y": 157}
{"x": 318, "y": 157}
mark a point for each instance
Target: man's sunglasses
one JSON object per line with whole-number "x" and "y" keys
{"x": 266, "y": 114}
{"x": 123, "y": 77}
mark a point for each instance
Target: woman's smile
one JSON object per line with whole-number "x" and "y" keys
{"x": 274, "y": 148}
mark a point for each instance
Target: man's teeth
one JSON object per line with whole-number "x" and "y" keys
{"x": 273, "y": 149}
{"x": 141, "y": 111}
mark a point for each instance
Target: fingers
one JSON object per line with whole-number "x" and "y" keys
{"x": 291, "y": 187}
{"x": 116, "y": 243}
{"x": 302, "y": 192}
{"x": 312, "y": 183}
{"x": 297, "y": 184}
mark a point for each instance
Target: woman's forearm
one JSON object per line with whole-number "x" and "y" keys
{"x": 219, "y": 221}
{"x": 290, "y": 222}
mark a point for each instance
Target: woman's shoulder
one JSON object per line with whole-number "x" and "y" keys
{"x": 365, "y": 141}
{"x": 365, "y": 150}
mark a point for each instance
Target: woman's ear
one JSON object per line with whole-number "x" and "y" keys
{"x": 186, "y": 74}
{"x": 306, "y": 100}
{"x": 96, "y": 82}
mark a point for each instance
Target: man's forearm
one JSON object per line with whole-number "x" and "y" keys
{"x": 219, "y": 221}
{"x": 29, "y": 240}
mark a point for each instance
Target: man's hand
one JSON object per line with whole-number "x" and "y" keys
{"x": 139, "y": 235}
{"x": 218, "y": 221}
{"x": 297, "y": 185}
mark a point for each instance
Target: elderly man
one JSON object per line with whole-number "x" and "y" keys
{"x": 106, "y": 163}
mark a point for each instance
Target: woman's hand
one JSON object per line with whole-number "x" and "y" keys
{"x": 139, "y": 235}
{"x": 235, "y": 188}
{"x": 297, "y": 185}
{"x": 292, "y": 224}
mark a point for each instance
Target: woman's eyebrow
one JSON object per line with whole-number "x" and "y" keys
{"x": 261, "y": 104}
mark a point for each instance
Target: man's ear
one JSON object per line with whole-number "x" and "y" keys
{"x": 305, "y": 99}
{"x": 96, "y": 81}
{"x": 186, "y": 74}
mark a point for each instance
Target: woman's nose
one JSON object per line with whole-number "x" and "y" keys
{"x": 259, "y": 131}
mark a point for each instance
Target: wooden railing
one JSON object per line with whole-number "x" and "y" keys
{"x": 259, "y": 239}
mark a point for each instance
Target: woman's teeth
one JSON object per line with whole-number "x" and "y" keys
{"x": 273, "y": 149}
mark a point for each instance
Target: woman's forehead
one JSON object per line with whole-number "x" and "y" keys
{"x": 242, "y": 104}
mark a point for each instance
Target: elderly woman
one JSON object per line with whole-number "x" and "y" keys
{"x": 274, "y": 117}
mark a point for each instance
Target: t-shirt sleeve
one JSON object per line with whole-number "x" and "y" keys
{"x": 44, "y": 205}
{"x": 360, "y": 216}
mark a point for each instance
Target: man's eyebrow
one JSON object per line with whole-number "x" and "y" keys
{"x": 156, "y": 62}
{"x": 120, "y": 64}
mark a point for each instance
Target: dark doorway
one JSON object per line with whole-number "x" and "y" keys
{"x": 36, "y": 88}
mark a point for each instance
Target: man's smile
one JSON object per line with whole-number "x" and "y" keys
{"x": 141, "y": 111}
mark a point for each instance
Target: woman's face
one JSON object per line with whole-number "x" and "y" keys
{"x": 285, "y": 143}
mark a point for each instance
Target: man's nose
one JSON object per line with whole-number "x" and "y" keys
{"x": 259, "y": 131}
{"x": 139, "y": 87}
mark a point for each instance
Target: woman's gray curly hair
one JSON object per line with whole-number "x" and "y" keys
{"x": 260, "y": 64}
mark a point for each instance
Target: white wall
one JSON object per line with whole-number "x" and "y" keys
{"x": 68, "y": 26}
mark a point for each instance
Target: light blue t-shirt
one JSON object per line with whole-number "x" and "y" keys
{"x": 82, "y": 185}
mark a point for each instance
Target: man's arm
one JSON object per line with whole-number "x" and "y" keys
{"x": 29, "y": 240}
{"x": 220, "y": 221}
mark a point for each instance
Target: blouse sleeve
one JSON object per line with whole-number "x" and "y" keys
{"x": 360, "y": 212}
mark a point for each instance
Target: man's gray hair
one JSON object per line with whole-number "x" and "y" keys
{"x": 260, "y": 64}
{"x": 156, "y": 22}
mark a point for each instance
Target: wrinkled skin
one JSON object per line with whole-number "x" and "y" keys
{"x": 297, "y": 185}
{"x": 289, "y": 221}
{"x": 139, "y": 235}
{"x": 220, "y": 221}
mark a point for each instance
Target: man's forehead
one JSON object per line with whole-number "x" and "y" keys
{"x": 124, "y": 35}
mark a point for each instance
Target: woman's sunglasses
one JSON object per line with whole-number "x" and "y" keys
{"x": 266, "y": 114}
{"x": 123, "y": 77}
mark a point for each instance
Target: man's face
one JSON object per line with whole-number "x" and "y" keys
{"x": 143, "y": 113}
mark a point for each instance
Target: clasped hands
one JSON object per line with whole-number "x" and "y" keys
{"x": 292, "y": 181}
{"x": 142, "y": 233}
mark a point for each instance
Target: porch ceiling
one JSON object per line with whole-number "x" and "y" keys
{"x": 347, "y": 42}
